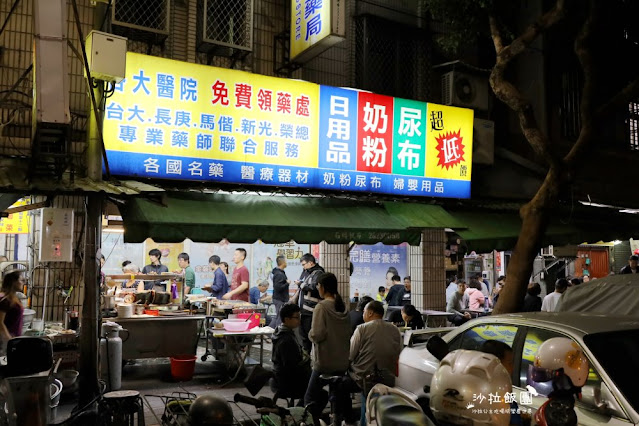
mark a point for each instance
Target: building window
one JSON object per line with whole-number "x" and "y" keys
{"x": 391, "y": 59}
{"x": 633, "y": 120}
{"x": 571, "y": 86}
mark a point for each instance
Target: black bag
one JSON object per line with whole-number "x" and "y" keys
{"x": 257, "y": 378}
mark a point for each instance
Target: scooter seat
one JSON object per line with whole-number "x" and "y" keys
{"x": 393, "y": 410}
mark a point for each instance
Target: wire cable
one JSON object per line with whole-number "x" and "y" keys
{"x": 6, "y": 21}
{"x": 89, "y": 80}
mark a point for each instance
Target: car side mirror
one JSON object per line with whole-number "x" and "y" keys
{"x": 438, "y": 347}
{"x": 591, "y": 396}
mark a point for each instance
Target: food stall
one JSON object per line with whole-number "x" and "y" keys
{"x": 157, "y": 325}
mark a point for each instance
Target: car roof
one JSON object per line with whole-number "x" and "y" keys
{"x": 581, "y": 323}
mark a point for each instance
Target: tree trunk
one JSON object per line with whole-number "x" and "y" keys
{"x": 535, "y": 216}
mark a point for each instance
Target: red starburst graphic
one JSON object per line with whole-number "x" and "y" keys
{"x": 450, "y": 148}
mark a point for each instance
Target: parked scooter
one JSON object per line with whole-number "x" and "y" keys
{"x": 386, "y": 405}
{"x": 391, "y": 406}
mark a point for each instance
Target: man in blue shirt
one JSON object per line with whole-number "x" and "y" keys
{"x": 255, "y": 294}
{"x": 220, "y": 284}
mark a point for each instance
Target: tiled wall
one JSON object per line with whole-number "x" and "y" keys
{"x": 427, "y": 270}
{"x": 335, "y": 259}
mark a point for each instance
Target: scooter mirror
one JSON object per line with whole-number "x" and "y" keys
{"x": 438, "y": 347}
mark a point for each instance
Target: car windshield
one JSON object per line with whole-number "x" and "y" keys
{"x": 617, "y": 352}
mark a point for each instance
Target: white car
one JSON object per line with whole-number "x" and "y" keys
{"x": 611, "y": 394}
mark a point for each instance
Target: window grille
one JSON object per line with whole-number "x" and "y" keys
{"x": 571, "y": 86}
{"x": 391, "y": 59}
{"x": 225, "y": 24}
{"x": 633, "y": 121}
{"x": 141, "y": 19}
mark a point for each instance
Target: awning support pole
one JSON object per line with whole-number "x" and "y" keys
{"x": 89, "y": 338}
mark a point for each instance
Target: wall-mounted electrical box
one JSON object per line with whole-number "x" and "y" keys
{"x": 56, "y": 235}
{"x": 107, "y": 56}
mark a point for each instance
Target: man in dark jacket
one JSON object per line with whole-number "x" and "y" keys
{"x": 631, "y": 267}
{"x": 309, "y": 296}
{"x": 280, "y": 289}
{"x": 394, "y": 295}
{"x": 291, "y": 363}
{"x": 220, "y": 284}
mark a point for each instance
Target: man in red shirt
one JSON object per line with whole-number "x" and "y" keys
{"x": 240, "y": 279}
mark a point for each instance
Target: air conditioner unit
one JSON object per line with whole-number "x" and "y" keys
{"x": 142, "y": 20}
{"x": 225, "y": 27}
{"x": 547, "y": 251}
{"x": 465, "y": 90}
{"x": 483, "y": 141}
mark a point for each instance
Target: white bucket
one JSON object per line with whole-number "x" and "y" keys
{"x": 125, "y": 310}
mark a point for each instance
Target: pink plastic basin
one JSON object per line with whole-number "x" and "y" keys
{"x": 235, "y": 324}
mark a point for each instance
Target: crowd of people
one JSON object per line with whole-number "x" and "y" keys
{"x": 343, "y": 345}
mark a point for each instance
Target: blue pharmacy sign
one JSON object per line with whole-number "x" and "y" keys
{"x": 173, "y": 120}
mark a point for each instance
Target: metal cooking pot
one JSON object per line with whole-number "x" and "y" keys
{"x": 108, "y": 301}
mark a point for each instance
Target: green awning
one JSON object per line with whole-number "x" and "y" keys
{"x": 276, "y": 219}
{"x": 417, "y": 215}
{"x": 487, "y": 231}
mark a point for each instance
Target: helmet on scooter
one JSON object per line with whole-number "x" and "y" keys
{"x": 469, "y": 388}
{"x": 556, "y": 353}
{"x": 210, "y": 410}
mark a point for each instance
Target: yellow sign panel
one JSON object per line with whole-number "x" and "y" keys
{"x": 449, "y": 142}
{"x": 173, "y": 110}
{"x": 175, "y": 120}
{"x": 310, "y": 23}
{"x": 16, "y": 223}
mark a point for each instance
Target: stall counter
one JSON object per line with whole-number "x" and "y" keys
{"x": 159, "y": 336}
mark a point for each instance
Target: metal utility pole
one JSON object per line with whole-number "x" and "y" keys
{"x": 90, "y": 338}
{"x": 94, "y": 142}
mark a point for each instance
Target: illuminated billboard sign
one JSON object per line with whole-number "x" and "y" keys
{"x": 175, "y": 120}
{"x": 316, "y": 25}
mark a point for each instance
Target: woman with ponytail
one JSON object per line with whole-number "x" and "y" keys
{"x": 331, "y": 335}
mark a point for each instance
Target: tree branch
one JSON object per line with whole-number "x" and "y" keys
{"x": 498, "y": 40}
{"x": 520, "y": 44}
{"x": 584, "y": 54}
{"x": 588, "y": 113}
{"x": 619, "y": 101}
{"x": 509, "y": 94}
{"x": 615, "y": 104}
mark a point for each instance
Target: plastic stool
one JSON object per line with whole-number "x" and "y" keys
{"x": 119, "y": 408}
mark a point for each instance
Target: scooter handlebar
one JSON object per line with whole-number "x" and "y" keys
{"x": 248, "y": 400}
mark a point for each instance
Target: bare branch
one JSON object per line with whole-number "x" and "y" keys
{"x": 588, "y": 113}
{"x": 619, "y": 101}
{"x": 615, "y": 104}
{"x": 511, "y": 96}
{"x": 518, "y": 45}
{"x": 495, "y": 33}
{"x": 584, "y": 54}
